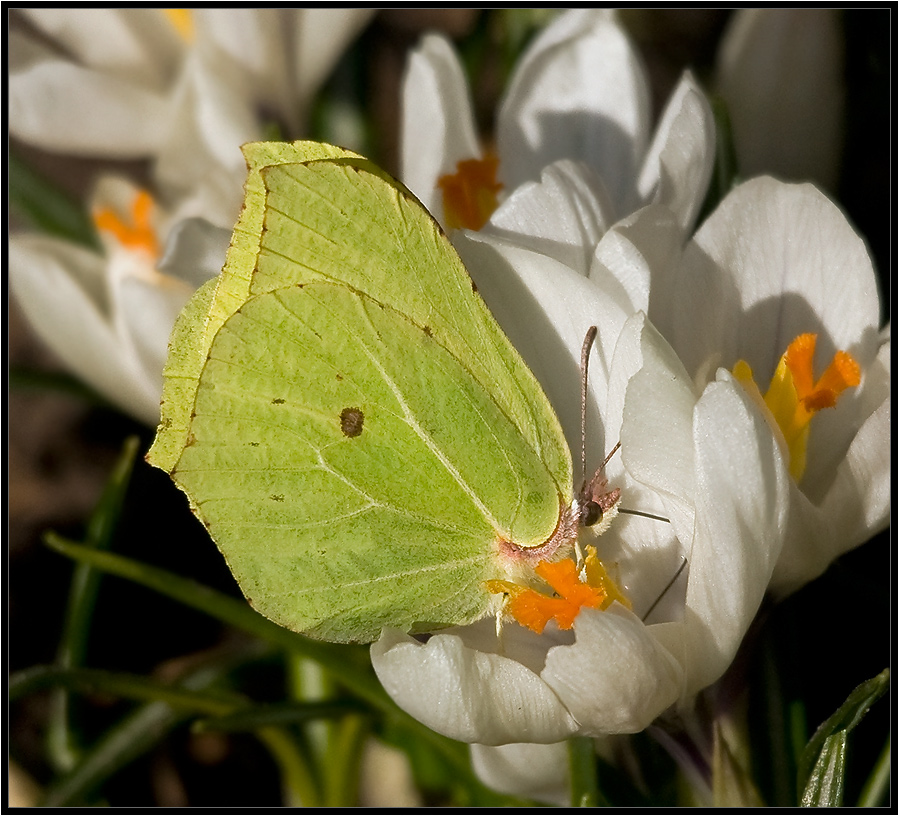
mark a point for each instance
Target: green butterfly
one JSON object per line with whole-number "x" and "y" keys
{"x": 360, "y": 438}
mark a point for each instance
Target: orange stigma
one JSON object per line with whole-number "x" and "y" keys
{"x": 795, "y": 396}
{"x": 139, "y": 233}
{"x": 535, "y": 609}
{"x": 470, "y": 194}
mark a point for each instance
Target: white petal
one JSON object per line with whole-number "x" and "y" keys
{"x": 657, "y": 430}
{"x": 582, "y": 96}
{"x": 538, "y": 772}
{"x": 467, "y": 694}
{"x": 260, "y": 43}
{"x": 70, "y": 323}
{"x": 615, "y": 678}
{"x": 438, "y": 128}
{"x": 634, "y": 249}
{"x": 146, "y": 313}
{"x": 563, "y": 215}
{"x": 678, "y": 165}
{"x": 781, "y": 73}
{"x": 322, "y": 35}
{"x": 646, "y": 553}
{"x": 772, "y": 262}
{"x": 546, "y": 310}
{"x": 58, "y": 106}
{"x": 742, "y": 499}
{"x": 211, "y": 118}
{"x": 138, "y": 45}
{"x": 195, "y": 251}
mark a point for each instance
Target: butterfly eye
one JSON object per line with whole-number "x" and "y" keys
{"x": 591, "y": 514}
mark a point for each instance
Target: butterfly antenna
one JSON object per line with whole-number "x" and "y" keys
{"x": 644, "y": 515}
{"x": 585, "y": 361}
{"x": 668, "y": 586}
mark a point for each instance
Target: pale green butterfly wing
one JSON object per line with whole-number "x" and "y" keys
{"x": 219, "y": 298}
{"x": 337, "y": 529}
{"x": 336, "y": 533}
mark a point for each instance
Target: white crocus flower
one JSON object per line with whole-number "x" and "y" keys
{"x": 110, "y": 82}
{"x": 721, "y": 482}
{"x": 108, "y": 315}
{"x": 578, "y": 93}
{"x": 698, "y": 446}
{"x": 773, "y": 265}
{"x": 781, "y": 73}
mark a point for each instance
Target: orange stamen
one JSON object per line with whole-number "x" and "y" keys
{"x": 842, "y": 373}
{"x": 535, "y": 609}
{"x": 139, "y": 233}
{"x": 794, "y": 396}
{"x": 470, "y": 194}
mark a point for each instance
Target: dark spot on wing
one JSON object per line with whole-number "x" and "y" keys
{"x": 339, "y": 376}
{"x": 277, "y": 401}
{"x": 427, "y": 330}
{"x": 351, "y": 421}
{"x": 276, "y": 497}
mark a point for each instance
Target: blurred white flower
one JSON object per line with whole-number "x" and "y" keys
{"x": 108, "y": 315}
{"x": 578, "y": 93}
{"x": 183, "y": 87}
{"x": 107, "y": 84}
{"x": 780, "y": 71}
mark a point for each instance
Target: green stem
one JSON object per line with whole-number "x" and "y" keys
{"x": 62, "y": 744}
{"x": 299, "y": 788}
{"x": 582, "y": 768}
{"x": 341, "y": 772}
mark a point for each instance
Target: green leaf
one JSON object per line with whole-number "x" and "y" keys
{"x": 134, "y": 687}
{"x": 877, "y": 786}
{"x": 348, "y": 663}
{"x": 135, "y": 734}
{"x": 825, "y": 784}
{"x": 46, "y": 207}
{"x": 63, "y": 744}
{"x": 258, "y": 716}
{"x": 168, "y": 706}
{"x": 822, "y": 765}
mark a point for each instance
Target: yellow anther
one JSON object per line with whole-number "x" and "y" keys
{"x": 470, "y": 194}
{"x": 183, "y": 22}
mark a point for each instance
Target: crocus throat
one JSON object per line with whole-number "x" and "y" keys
{"x": 573, "y": 590}
{"x": 139, "y": 234}
{"x": 470, "y": 194}
{"x": 794, "y": 396}
{"x": 183, "y": 22}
